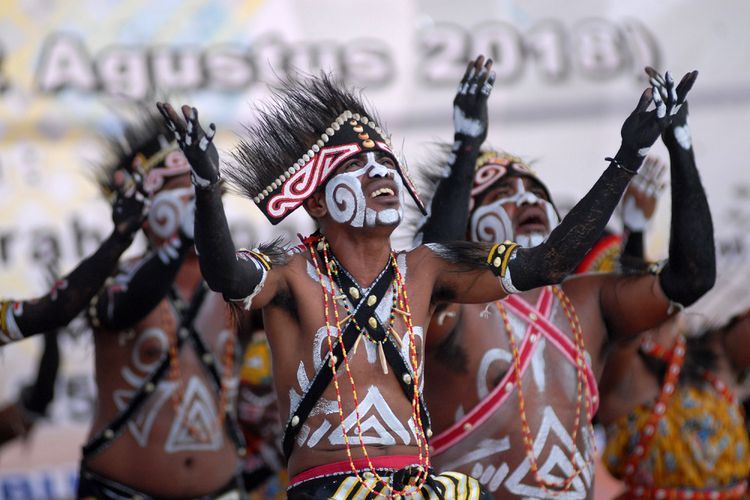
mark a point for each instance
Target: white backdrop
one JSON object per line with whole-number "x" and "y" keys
{"x": 568, "y": 75}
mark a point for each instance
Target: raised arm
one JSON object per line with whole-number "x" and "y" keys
{"x": 527, "y": 268}
{"x": 690, "y": 270}
{"x": 554, "y": 259}
{"x": 69, "y": 295}
{"x": 448, "y": 220}
{"x": 135, "y": 291}
{"x": 236, "y": 275}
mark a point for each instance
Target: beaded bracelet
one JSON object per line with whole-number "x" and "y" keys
{"x": 619, "y": 165}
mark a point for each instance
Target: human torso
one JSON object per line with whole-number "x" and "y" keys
{"x": 176, "y": 444}
{"x": 479, "y": 428}
{"x": 299, "y": 338}
{"x": 671, "y": 434}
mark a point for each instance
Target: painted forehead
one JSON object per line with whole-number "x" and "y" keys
{"x": 161, "y": 165}
{"x": 490, "y": 171}
{"x": 512, "y": 179}
{"x": 364, "y": 157}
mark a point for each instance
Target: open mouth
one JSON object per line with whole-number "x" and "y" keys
{"x": 384, "y": 191}
{"x": 532, "y": 220}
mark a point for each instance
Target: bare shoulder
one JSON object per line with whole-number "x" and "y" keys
{"x": 293, "y": 268}
{"x": 286, "y": 269}
{"x": 420, "y": 253}
{"x": 579, "y": 285}
{"x": 453, "y": 252}
{"x": 422, "y": 262}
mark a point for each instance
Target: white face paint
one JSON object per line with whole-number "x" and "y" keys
{"x": 170, "y": 212}
{"x": 346, "y": 200}
{"x": 491, "y": 222}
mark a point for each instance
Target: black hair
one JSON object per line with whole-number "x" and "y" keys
{"x": 145, "y": 132}
{"x": 287, "y": 126}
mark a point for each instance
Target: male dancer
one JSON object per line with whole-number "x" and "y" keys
{"x": 532, "y": 361}
{"x": 671, "y": 398}
{"x": 347, "y": 309}
{"x": 164, "y": 425}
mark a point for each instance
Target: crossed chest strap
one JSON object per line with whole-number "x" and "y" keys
{"x": 185, "y": 330}
{"x": 364, "y": 316}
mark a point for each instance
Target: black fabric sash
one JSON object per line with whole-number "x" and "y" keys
{"x": 362, "y": 312}
{"x": 185, "y": 331}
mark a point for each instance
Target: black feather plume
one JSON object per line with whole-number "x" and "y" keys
{"x": 298, "y": 112}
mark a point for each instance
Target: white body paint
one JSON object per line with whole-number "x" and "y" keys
{"x": 140, "y": 426}
{"x": 379, "y": 424}
{"x": 196, "y": 410}
{"x": 376, "y": 418}
{"x": 538, "y": 365}
{"x": 492, "y": 355}
{"x": 465, "y": 125}
{"x": 557, "y": 460}
{"x": 488, "y": 475}
{"x": 197, "y": 407}
{"x": 491, "y": 223}
{"x": 683, "y": 137}
{"x": 485, "y": 462}
{"x": 490, "y": 456}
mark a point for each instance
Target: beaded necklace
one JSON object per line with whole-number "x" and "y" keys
{"x": 650, "y": 347}
{"x": 400, "y": 298}
{"x": 390, "y": 334}
{"x": 675, "y": 358}
{"x": 553, "y": 488}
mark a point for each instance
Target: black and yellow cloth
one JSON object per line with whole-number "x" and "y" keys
{"x": 345, "y": 486}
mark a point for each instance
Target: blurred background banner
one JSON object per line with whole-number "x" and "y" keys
{"x": 568, "y": 73}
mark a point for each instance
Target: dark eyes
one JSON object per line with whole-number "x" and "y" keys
{"x": 356, "y": 164}
{"x": 353, "y": 165}
{"x": 500, "y": 193}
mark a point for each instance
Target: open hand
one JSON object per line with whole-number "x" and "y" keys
{"x": 677, "y": 129}
{"x": 642, "y": 194}
{"x": 470, "y": 103}
{"x": 674, "y": 96}
{"x": 643, "y": 127}
{"x": 196, "y": 143}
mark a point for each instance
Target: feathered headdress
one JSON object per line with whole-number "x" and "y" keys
{"x": 309, "y": 128}
{"x": 144, "y": 143}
